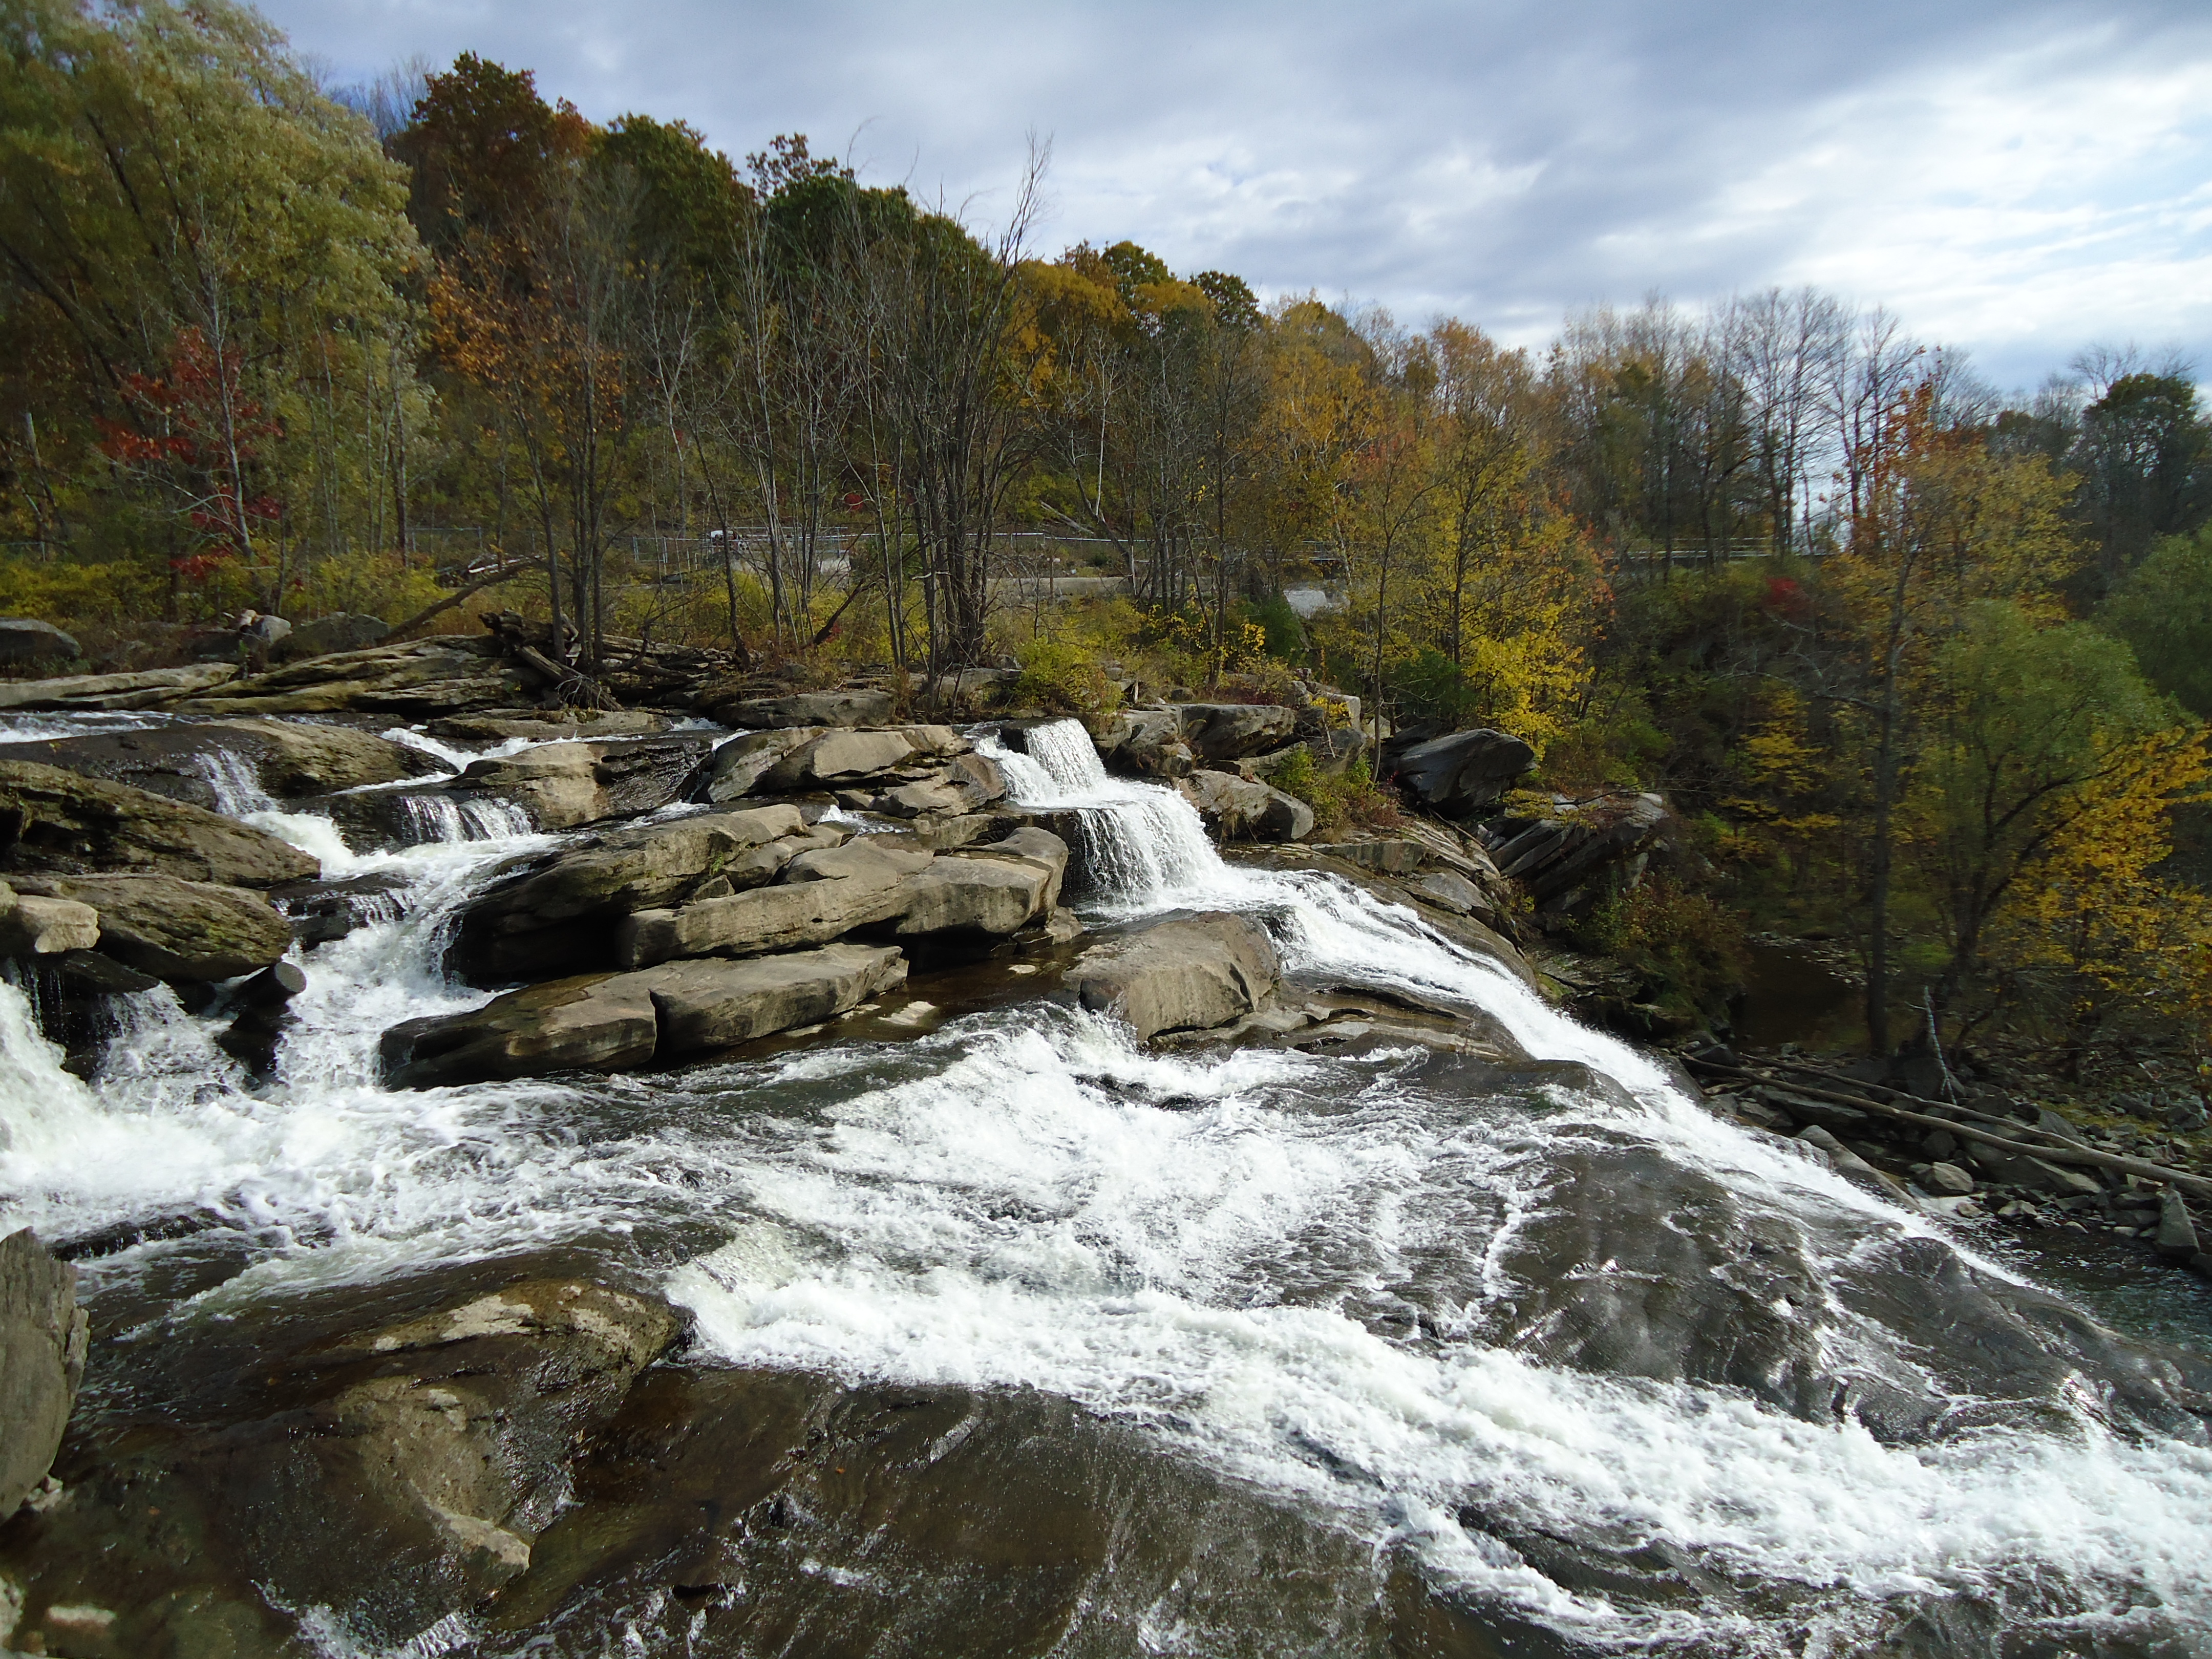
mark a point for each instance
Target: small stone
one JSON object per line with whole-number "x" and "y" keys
{"x": 1949, "y": 1178}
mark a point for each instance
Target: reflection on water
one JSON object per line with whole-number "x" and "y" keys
{"x": 1791, "y": 996}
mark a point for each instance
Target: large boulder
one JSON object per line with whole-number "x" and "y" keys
{"x": 1187, "y": 974}
{"x": 54, "y": 822}
{"x": 557, "y": 914}
{"x": 549, "y": 725}
{"x": 799, "y": 759}
{"x": 1238, "y": 809}
{"x": 617, "y": 1021}
{"x": 1231, "y": 731}
{"x": 211, "y": 765}
{"x": 42, "y": 1347}
{"x": 322, "y": 636}
{"x": 1558, "y": 859}
{"x": 1145, "y": 743}
{"x": 848, "y": 706}
{"x": 25, "y": 643}
{"x": 822, "y": 896}
{"x": 34, "y": 927}
{"x": 996, "y": 889}
{"x": 1460, "y": 774}
{"x": 563, "y": 785}
{"x": 184, "y": 932}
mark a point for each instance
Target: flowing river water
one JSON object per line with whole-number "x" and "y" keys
{"x": 1532, "y": 1325}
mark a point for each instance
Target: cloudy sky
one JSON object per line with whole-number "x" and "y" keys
{"x": 2022, "y": 179}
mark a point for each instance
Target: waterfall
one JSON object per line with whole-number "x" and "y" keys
{"x": 1142, "y": 847}
{"x": 443, "y": 818}
{"x": 236, "y": 782}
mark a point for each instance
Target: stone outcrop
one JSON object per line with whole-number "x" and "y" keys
{"x": 549, "y": 726}
{"x": 1231, "y": 731}
{"x": 847, "y": 707}
{"x": 152, "y": 688}
{"x": 1145, "y": 743}
{"x": 323, "y": 635}
{"x": 616, "y": 1021}
{"x": 1558, "y": 859}
{"x": 891, "y": 883}
{"x": 1460, "y": 774}
{"x": 42, "y": 1348}
{"x": 557, "y": 914}
{"x": 1179, "y": 975}
{"x": 441, "y": 676}
{"x": 801, "y": 759}
{"x": 26, "y": 643}
{"x": 31, "y": 925}
{"x": 54, "y": 822}
{"x": 564, "y": 785}
{"x": 1238, "y": 809}
{"x": 281, "y": 757}
{"x": 184, "y": 932}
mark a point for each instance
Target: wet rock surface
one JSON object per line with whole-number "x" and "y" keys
{"x": 42, "y": 1353}
{"x": 1179, "y": 975}
{"x": 58, "y": 823}
{"x": 179, "y": 931}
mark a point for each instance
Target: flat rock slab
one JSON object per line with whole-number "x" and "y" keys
{"x": 618, "y": 1021}
{"x": 184, "y": 932}
{"x": 1179, "y": 975}
{"x": 858, "y": 707}
{"x": 55, "y": 821}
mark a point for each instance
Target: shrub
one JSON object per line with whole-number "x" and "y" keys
{"x": 1687, "y": 947}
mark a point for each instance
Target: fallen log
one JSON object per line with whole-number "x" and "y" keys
{"x": 2075, "y": 1155}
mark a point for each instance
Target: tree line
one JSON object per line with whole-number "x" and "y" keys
{"x": 1923, "y": 664}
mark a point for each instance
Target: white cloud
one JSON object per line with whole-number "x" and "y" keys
{"x": 2020, "y": 181}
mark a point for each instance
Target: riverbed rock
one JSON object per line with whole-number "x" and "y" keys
{"x": 149, "y": 688}
{"x": 1558, "y": 860}
{"x": 1237, "y": 809}
{"x": 34, "y": 927}
{"x": 549, "y": 725}
{"x": 997, "y": 889}
{"x": 184, "y": 932}
{"x": 42, "y": 1349}
{"x": 618, "y": 1021}
{"x": 202, "y": 764}
{"x": 2177, "y": 1233}
{"x": 444, "y": 675}
{"x": 1231, "y": 731}
{"x": 1460, "y": 774}
{"x": 320, "y": 637}
{"x": 1145, "y": 743}
{"x": 1949, "y": 1180}
{"x": 558, "y": 914}
{"x": 823, "y": 895}
{"x": 26, "y": 643}
{"x": 847, "y": 706}
{"x": 1186, "y": 974}
{"x": 564, "y": 785}
{"x": 54, "y": 822}
{"x": 1850, "y": 1165}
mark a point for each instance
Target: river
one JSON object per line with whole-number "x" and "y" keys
{"x": 1528, "y": 1325}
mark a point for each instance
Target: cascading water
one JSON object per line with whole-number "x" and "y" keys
{"x": 1352, "y": 1282}
{"x": 443, "y": 818}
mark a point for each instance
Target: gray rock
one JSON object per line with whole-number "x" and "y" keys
{"x": 824, "y": 895}
{"x": 184, "y": 932}
{"x": 537, "y": 726}
{"x": 1186, "y": 974}
{"x": 997, "y": 889}
{"x": 345, "y": 631}
{"x": 1950, "y": 1179}
{"x": 565, "y": 785}
{"x": 34, "y": 926}
{"x": 1850, "y": 1165}
{"x": 1237, "y": 809}
{"x": 1458, "y": 774}
{"x": 1557, "y": 860}
{"x": 1450, "y": 890}
{"x": 1146, "y": 743}
{"x": 42, "y": 1348}
{"x": 441, "y": 676}
{"x": 618, "y": 1021}
{"x": 1392, "y": 856}
{"x": 849, "y": 707}
{"x": 2177, "y": 1234}
{"x": 186, "y": 763}
{"x": 60, "y": 822}
{"x": 25, "y": 642}
{"x": 148, "y": 688}
{"x": 2031, "y": 1173}
{"x": 714, "y": 1003}
{"x": 1231, "y": 731}
{"x": 557, "y": 914}
{"x": 590, "y": 1022}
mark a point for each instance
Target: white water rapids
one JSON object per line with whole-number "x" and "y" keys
{"x": 1193, "y": 1243}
